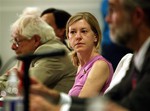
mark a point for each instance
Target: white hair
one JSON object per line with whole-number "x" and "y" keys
{"x": 30, "y": 24}
{"x": 32, "y": 11}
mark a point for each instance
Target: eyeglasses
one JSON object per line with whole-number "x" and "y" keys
{"x": 17, "y": 42}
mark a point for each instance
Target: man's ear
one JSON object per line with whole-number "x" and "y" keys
{"x": 61, "y": 32}
{"x": 37, "y": 40}
{"x": 138, "y": 16}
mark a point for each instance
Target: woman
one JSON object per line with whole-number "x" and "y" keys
{"x": 94, "y": 71}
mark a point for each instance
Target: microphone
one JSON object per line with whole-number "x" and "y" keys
{"x": 60, "y": 52}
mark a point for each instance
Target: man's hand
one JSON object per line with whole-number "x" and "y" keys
{"x": 49, "y": 94}
{"x": 39, "y": 89}
{"x": 38, "y": 103}
{"x": 111, "y": 106}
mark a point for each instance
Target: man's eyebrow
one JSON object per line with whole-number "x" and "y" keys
{"x": 111, "y": 4}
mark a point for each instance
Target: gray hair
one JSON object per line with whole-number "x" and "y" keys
{"x": 30, "y": 24}
{"x": 130, "y": 5}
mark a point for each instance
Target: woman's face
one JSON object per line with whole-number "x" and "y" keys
{"x": 81, "y": 37}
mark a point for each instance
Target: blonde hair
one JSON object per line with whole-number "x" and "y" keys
{"x": 92, "y": 21}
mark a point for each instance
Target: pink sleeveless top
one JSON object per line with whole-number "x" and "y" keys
{"x": 81, "y": 76}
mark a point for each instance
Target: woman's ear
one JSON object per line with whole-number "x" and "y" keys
{"x": 95, "y": 38}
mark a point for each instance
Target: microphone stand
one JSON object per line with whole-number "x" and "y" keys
{"x": 26, "y": 83}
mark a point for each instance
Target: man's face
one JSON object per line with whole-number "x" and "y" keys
{"x": 22, "y": 45}
{"x": 50, "y": 19}
{"x": 120, "y": 23}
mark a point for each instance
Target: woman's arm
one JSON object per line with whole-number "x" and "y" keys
{"x": 96, "y": 79}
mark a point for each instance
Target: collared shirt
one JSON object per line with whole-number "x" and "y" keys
{"x": 139, "y": 57}
{"x": 65, "y": 101}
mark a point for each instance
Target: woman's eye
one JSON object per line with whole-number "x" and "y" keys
{"x": 84, "y": 31}
{"x": 72, "y": 32}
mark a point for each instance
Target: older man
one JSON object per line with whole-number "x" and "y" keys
{"x": 31, "y": 35}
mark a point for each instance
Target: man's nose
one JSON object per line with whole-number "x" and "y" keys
{"x": 14, "y": 46}
{"x": 108, "y": 18}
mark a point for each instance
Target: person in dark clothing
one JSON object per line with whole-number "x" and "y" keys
{"x": 110, "y": 50}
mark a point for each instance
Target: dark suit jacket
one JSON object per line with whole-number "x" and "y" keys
{"x": 138, "y": 98}
{"x": 133, "y": 98}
